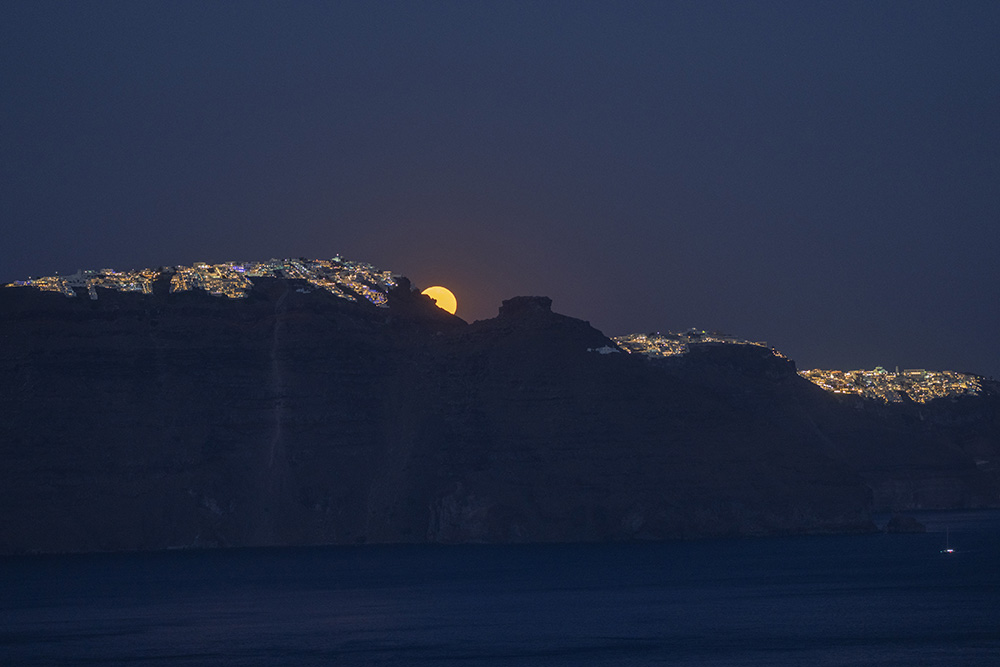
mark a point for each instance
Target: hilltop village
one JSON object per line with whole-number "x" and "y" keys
{"x": 353, "y": 280}
{"x": 917, "y": 385}
{"x": 342, "y": 278}
{"x": 671, "y": 344}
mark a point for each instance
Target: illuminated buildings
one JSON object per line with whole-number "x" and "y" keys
{"x": 916, "y": 384}
{"x": 672, "y": 344}
{"x": 342, "y": 278}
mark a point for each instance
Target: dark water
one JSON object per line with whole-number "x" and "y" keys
{"x": 851, "y": 600}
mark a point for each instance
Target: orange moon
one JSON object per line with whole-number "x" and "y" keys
{"x": 443, "y": 297}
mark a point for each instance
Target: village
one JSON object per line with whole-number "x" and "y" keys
{"x": 342, "y": 278}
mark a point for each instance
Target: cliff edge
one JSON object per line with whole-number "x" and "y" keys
{"x": 152, "y": 421}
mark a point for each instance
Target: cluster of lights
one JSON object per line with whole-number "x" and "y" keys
{"x": 917, "y": 384}
{"x": 121, "y": 281}
{"x": 342, "y": 278}
{"x": 671, "y": 344}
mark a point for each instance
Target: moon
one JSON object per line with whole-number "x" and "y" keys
{"x": 443, "y": 297}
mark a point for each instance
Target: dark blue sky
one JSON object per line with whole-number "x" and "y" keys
{"x": 824, "y": 176}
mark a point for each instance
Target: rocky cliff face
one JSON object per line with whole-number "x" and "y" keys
{"x": 293, "y": 417}
{"x": 937, "y": 455}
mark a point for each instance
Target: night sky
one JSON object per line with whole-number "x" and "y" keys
{"x": 824, "y": 176}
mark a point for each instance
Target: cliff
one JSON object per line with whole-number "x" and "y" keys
{"x": 150, "y": 421}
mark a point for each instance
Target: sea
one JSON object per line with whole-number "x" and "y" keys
{"x": 810, "y": 600}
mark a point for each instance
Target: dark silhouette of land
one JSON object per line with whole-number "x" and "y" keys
{"x": 183, "y": 420}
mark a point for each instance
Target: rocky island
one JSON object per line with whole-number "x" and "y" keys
{"x": 326, "y": 402}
